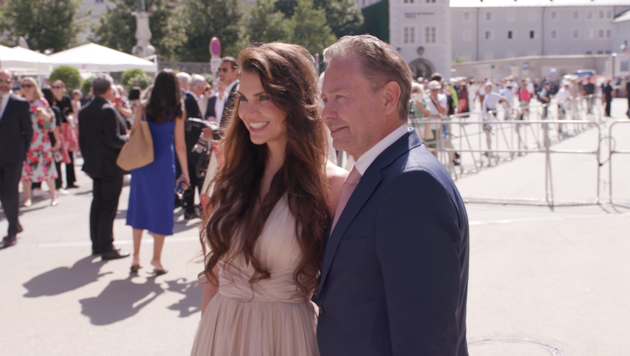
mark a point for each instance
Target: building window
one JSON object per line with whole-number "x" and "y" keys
{"x": 509, "y": 35}
{"x": 466, "y": 16}
{"x": 429, "y": 34}
{"x": 589, "y": 15}
{"x": 409, "y": 35}
{"x": 607, "y": 52}
{"x": 576, "y": 34}
{"x": 576, "y": 15}
{"x": 467, "y": 35}
{"x": 532, "y": 34}
{"x": 600, "y": 52}
{"x": 511, "y": 16}
{"x": 430, "y": 1}
{"x": 609, "y": 14}
{"x": 488, "y": 16}
{"x": 601, "y": 33}
{"x": 554, "y": 34}
{"x": 532, "y": 16}
{"x": 608, "y": 33}
{"x": 589, "y": 52}
{"x": 554, "y": 15}
{"x": 488, "y": 35}
{"x": 601, "y": 14}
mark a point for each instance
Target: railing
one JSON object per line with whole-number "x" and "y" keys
{"x": 507, "y": 139}
{"x": 613, "y": 150}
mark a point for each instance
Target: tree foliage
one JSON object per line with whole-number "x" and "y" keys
{"x": 343, "y": 16}
{"x": 130, "y": 73}
{"x": 266, "y": 24}
{"x": 207, "y": 19}
{"x": 70, "y": 76}
{"x": 308, "y": 28}
{"x": 287, "y": 7}
{"x": 43, "y": 23}
{"x": 117, "y": 27}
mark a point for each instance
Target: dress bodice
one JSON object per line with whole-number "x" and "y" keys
{"x": 278, "y": 251}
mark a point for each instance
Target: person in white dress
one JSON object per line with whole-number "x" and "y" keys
{"x": 268, "y": 213}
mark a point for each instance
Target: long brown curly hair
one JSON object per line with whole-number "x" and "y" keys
{"x": 235, "y": 209}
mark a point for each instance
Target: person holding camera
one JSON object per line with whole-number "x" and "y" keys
{"x": 151, "y": 195}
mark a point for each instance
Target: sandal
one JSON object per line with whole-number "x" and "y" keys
{"x": 134, "y": 269}
{"x": 158, "y": 272}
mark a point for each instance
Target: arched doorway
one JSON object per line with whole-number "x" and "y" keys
{"x": 421, "y": 67}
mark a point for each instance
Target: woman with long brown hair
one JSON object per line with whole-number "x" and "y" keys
{"x": 271, "y": 204}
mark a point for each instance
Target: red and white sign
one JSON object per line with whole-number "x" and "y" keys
{"x": 215, "y": 47}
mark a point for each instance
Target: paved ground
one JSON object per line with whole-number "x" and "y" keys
{"x": 557, "y": 279}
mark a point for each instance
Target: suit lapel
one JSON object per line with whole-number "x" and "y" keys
{"x": 9, "y": 106}
{"x": 362, "y": 193}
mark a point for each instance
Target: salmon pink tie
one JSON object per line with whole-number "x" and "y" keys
{"x": 346, "y": 191}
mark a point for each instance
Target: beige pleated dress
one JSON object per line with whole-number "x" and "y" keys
{"x": 265, "y": 318}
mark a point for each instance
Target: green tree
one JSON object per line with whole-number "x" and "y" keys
{"x": 117, "y": 26}
{"x": 287, "y": 7}
{"x": 264, "y": 24}
{"x": 130, "y": 73}
{"x": 308, "y": 28}
{"x": 43, "y": 23}
{"x": 207, "y": 19}
{"x": 70, "y": 76}
{"x": 343, "y": 16}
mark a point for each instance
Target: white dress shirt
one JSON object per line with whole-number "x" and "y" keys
{"x": 364, "y": 162}
{"x": 219, "y": 105}
{"x": 490, "y": 102}
{"x": 4, "y": 100}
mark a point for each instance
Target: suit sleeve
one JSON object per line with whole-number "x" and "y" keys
{"x": 110, "y": 131}
{"x": 417, "y": 243}
{"x": 26, "y": 124}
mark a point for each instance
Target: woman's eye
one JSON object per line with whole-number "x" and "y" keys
{"x": 264, "y": 97}
{"x": 243, "y": 98}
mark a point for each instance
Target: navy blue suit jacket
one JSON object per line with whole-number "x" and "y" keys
{"x": 395, "y": 269}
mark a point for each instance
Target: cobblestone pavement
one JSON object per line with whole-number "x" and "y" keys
{"x": 542, "y": 282}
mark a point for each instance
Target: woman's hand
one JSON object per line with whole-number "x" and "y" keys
{"x": 56, "y": 146}
{"x": 42, "y": 114}
{"x": 185, "y": 180}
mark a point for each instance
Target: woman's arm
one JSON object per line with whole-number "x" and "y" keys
{"x": 209, "y": 291}
{"x": 180, "y": 147}
{"x": 137, "y": 118}
{"x": 57, "y": 139}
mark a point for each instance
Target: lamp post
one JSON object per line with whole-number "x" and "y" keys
{"x": 614, "y": 55}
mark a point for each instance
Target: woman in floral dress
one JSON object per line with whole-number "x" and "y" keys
{"x": 39, "y": 165}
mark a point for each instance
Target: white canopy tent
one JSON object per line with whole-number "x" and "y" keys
{"x": 23, "y": 61}
{"x": 92, "y": 57}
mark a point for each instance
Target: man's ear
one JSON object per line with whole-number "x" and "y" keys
{"x": 391, "y": 94}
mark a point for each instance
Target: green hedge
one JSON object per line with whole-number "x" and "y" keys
{"x": 70, "y": 76}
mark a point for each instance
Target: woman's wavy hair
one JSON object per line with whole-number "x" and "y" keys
{"x": 236, "y": 211}
{"x": 165, "y": 101}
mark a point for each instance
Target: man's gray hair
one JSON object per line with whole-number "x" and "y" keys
{"x": 379, "y": 63}
{"x": 101, "y": 84}
{"x": 184, "y": 78}
{"x": 7, "y": 72}
{"x": 197, "y": 80}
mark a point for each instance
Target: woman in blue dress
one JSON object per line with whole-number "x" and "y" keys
{"x": 151, "y": 197}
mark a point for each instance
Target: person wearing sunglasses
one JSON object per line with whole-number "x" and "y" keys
{"x": 228, "y": 74}
{"x": 39, "y": 165}
{"x": 16, "y": 133}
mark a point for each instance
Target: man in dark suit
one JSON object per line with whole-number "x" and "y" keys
{"x": 102, "y": 133}
{"x": 191, "y": 134}
{"x": 394, "y": 274}
{"x": 16, "y": 133}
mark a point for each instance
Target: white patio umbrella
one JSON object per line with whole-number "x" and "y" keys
{"x": 23, "y": 61}
{"x": 92, "y": 57}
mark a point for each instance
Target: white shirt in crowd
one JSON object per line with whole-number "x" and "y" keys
{"x": 434, "y": 111}
{"x": 562, "y": 96}
{"x": 482, "y": 90}
{"x": 490, "y": 103}
{"x": 4, "y": 100}
{"x": 508, "y": 94}
{"x": 219, "y": 105}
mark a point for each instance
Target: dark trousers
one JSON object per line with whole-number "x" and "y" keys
{"x": 106, "y": 193}
{"x": 195, "y": 183}
{"x": 70, "y": 176}
{"x": 10, "y": 174}
{"x": 628, "y": 113}
{"x": 608, "y": 105}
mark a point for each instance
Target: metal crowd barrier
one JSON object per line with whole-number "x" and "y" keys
{"x": 509, "y": 138}
{"x": 613, "y": 150}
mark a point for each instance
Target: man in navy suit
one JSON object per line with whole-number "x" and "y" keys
{"x": 16, "y": 133}
{"x": 394, "y": 275}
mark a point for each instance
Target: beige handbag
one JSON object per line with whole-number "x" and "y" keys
{"x": 138, "y": 151}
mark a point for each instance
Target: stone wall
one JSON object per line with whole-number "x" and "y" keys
{"x": 188, "y": 67}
